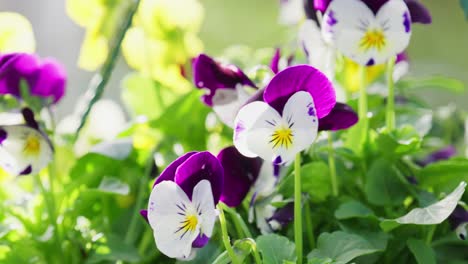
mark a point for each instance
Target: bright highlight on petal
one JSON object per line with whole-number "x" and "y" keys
{"x": 23, "y": 150}
{"x": 177, "y": 221}
{"x": 262, "y": 131}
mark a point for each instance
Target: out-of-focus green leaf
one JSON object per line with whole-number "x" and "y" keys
{"x": 383, "y": 186}
{"x": 440, "y": 82}
{"x": 353, "y": 209}
{"x": 444, "y": 175}
{"x": 115, "y": 250}
{"x": 464, "y": 5}
{"x": 421, "y": 251}
{"x": 342, "y": 247}
{"x": 275, "y": 249}
{"x": 398, "y": 143}
{"x": 114, "y": 186}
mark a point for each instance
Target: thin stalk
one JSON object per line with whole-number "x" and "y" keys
{"x": 237, "y": 219}
{"x": 253, "y": 247}
{"x": 363, "y": 109}
{"x": 430, "y": 234}
{"x": 100, "y": 80}
{"x": 331, "y": 164}
{"x": 309, "y": 226}
{"x": 390, "y": 114}
{"x": 225, "y": 236}
{"x": 297, "y": 208}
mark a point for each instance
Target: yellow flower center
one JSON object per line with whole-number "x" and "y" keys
{"x": 373, "y": 38}
{"x": 282, "y": 137}
{"x": 190, "y": 223}
{"x": 32, "y": 147}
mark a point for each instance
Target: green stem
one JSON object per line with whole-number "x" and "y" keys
{"x": 225, "y": 236}
{"x": 430, "y": 234}
{"x": 253, "y": 247}
{"x": 363, "y": 109}
{"x": 331, "y": 164}
{"x": 390, "y": 115}
{"x": 309, "y": 226}
{"x": 100, "y": 80}
{"x": 297, "y": 208}
{"x": 237, "y": 219}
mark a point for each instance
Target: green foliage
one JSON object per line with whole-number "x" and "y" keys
{"x": 421, "y": 251}
{"x": 275, "y": 249}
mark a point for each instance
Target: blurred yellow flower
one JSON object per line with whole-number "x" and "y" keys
{"x": 16, "y": 33}
{"x": 350, "y": 78}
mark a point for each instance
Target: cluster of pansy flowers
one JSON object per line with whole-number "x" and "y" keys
{"x": 271, "y": 125}
{"x": 24, "y": 147}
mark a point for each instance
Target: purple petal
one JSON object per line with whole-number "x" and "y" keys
{"x": 212, "y": 75}
{"x": 240, "y": 173}
{"x": 3, "y": 135}
{"x": 419, "y": 13}
{"x": 144, "y": 214}
{"x": 28, "y": 116}
{"x": 26, "y": 171}
{"x": 283, "y": 215}
{"x": 200, "y": 241}
{"x": 442, "y": 154}
{"x": 321, "y": 5}
{"x": 310, "y": 11}
{"x": 458, "y": 217}
{"x": 341, "y": 117}
{"x": 200, "y": 166}
{"x": 375, "y": 5}
{"x": 274, "y": 64}
{"x": 401, "y": 57}
{"x": 169, "y": 173}
{"x": 51, "y": 80}
{"x": 301, "y": 78}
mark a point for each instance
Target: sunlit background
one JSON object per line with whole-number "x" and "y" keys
{"x": 440, "y": 48}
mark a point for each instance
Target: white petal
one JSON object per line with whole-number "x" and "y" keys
{"x": 202, "y": 199}
{"x": 15, "y": 158}
{"x": 167, "y": 209}
{"x": 253, "y": 129}
{"x": 320, "y": 55}
{"x": 435, "y": 213}
{"x": 300, "y": 113}
{"x": 291, "y": 12}
{"x": 265, "y": 184}
{"x": 400, "y": 70}
{"x": 227, "y": 102}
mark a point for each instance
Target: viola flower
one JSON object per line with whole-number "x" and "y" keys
{"x": 227, "y": 86}
{"x": 342, "y": 116}
{"x": 46, "y": 78}
{"x": 458, "y": 221}
{"x": 287, "y": 122}
{"x": 182, "y": 205}
{"x": 24, "y": 149}
{"x": 368, "y": 32}
{"x": 441, "y": 154}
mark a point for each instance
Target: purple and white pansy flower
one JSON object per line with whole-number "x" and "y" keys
{"x": 287, "y": 121}
{"x": 24, "y": 149}
{"x": 182, "y": 205}
{"x": 459, "y": 221}
{"x": 228, "y": 88}
{"x": 365, "y": 34}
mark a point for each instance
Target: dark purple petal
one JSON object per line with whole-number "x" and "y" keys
{"x": 240, "y": 173}
{"x": 45, "y": 79}
{"x": 419, "y": 13}
{"x": 458, "y": 217}
{"x": 274, "y": 64}
{"x": 401, "y": 57}
{"x": 442, "y": 154}
{"x": 301, "y": 78}
{"x": 341, "y": 117}
{"x": 200, "y": 241}
{"x": 169, "y": 173}
{"x": 26, "y": 171}
{"x": 200, "y": 166}
{"x": 28, "y": 116}
{"x": 321, "y": 5}
{"x": 144, "y": 214}
{"x": 3, "y": 135}
{"x": 375, "y": 5}
{"x": 310, "y": 11}
{"x": 283, "y": 215}
{"x": 212, "y": 75}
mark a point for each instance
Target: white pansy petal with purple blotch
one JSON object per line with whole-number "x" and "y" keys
{"x": 177, "y": 221}
{"x": 364, "y": 37}
{"x": 262, "y": 131}
{"x": 23, "y": 150}
{"x": 227, "y": 102}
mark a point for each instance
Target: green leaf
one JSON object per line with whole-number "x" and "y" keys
{"x": 185, "y": 121}
{"x": 383, "y": 186}
{"x": 444, "y": 175}
{"x": 430, "y": 215}
{"x": 113, "y": 186}
{"x": 353, "y": 209}
{"x": 342, "y": 247}
{"x": 464, "y": 6}
{"x": 398, "y": 143}
{"x": 439, "y": 82}
{"x": 144, "y": 96}
{"x": 275, "y": 249}
{"x": 421, "y": 251}
{"x": 115, "y": 250}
